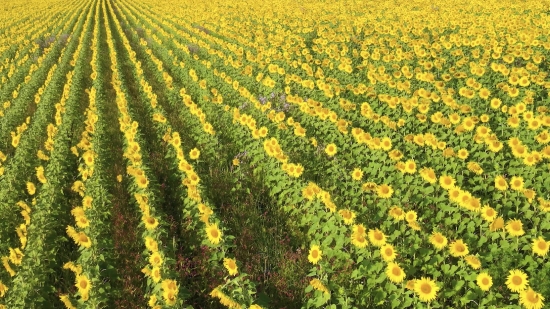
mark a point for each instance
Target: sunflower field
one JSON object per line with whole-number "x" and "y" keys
{"x": 274, "y": 154}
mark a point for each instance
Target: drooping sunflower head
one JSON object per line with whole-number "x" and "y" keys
{"x": 473, "y": 261}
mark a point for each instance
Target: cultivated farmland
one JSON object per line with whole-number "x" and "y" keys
{"x": 278, "y": 154}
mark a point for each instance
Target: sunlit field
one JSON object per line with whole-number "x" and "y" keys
{"x": 274, "y": 154}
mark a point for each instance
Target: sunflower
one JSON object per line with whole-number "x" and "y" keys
{"x": 497, "y": 224}
{"x": 377, "y": 238}
{"x": 473, "y": 261}
{"x": 462, "y": 154}
{"x": 156, "y": 274}
{"x": 395, "y": 155}
{"x": 369, "y": 186}
{"x": 515, "y": 227}
{"x": 454, "y": 194}
{"x": 426, "y": 289}
{"x": 64, "y": 298}
{"x": 359, "y": 240}
{"x": 414, "y": 225}
{"x": 31, "y": 189}
{"x": 540, "y": 246}
{"x": 544, "y": 205}
{"x": 388, "y": 253}
{"x": 488, "y": 213}
{"x": 516, "y": 183}
{"x": 150, "y": 222}
{"x": 319, "y": 286}
{"x": 347, "y": 215}
{"x": 410, "y": 284}
{"x": 82, "y": 222}
{"x": 87, "y": 202}
{"x": 194, "y": 154}
{"x": 360, "y": 229}
{"x": 83, "y": 240}
{"x": 315, "y": 254}
{"x": 83, "y": 284}
{"x": 438, "y": 240}
{"x": 458, "y": 248}
{"x": 40, "y": 174}
{"x": 152, "y": 301}
{"x": 231, "y": 266}
{"x": 170, "y": 297}
{"x": 495, "y": 146}
{"x": 410, "y": 166}
{"x": 169, "y": 285}
{"x": 155, "y": 259}
{"x": 428, "y": 175}
{"x": 395, "y": 273}
{"x": 529, "y": 194}
{"x": 500, "y": 183}
{"x": 330, "y": 150}
{"x": 357, "y": 174}
{"x": 475, "y": 168}
{"x": 6, "y": 263}
{"x": 142, "y": 181}
{"x": 533, "y": 124}
{"x": 397, "y": 213}
{"x": 531, "y": 299}
{"x": 484, "y": 281}
{"x": 384, "y": 191}
{"x": 151, "y": 244}
{"x": 517, "y": 281}
{"x": 411, "y": 216}
{"x": 495, "y": 103}
{"x": 446, "y": 182}
{"x": 16, "y": 256}
{"x": 213, "y": 233}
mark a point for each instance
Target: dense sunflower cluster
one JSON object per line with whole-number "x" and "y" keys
{"x": 406, "y": 143}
